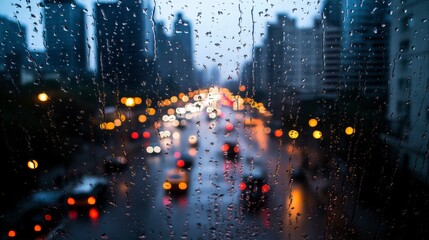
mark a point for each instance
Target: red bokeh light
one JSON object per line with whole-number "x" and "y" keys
{"x": 146, "y": 134}
{"x": 229, "y": 127}
{"x": 242, "y": 186}
{"x": 180, "y": 163}
{"x": 265, "y": 188}
{"x": 177, "y": 154}
{"x": 134, "y": 135}
{"x": 93, "y": 213}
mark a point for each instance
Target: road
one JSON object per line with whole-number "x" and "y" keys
{"x": 139, "y": 208}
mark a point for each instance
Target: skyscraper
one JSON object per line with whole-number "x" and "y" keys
{"x": 408, "y": 112}
{"x": 120, "y": 44}
{"x": 364, "y": 47}
{"x": 12, "y": 49}
{"x": 65, "y": 38}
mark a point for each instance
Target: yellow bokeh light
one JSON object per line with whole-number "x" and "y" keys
{"x": 138, "y": 100}
{"x": 151, "y": 111}
{"x": 43, "y": 97}
{"x": 103, "y": 125}
{"x": 312, "y": 122}
{"x": 122, "y": 117}
{"x": 170, "y": 111}
{"x": 350, "y": 130}
{"x": 32, "y": 164}
{"x": 142, "y": 118}
{"x": 130, "y": 102}
{"x": 110, "y": 126}
{"x": 123, "y": 100}
{"x": 174, "y": 99}
{"x": 167, "y": 102}
{"x": 185, "y": 98}
{"x": 317, "y": 134}
{"x": 117, "y": 122}
{"x": 293, "y": 134}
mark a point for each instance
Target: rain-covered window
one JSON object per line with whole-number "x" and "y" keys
{"x": 135, "y": 119}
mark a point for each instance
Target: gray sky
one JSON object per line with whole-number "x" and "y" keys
{"x": 223, "y": 29}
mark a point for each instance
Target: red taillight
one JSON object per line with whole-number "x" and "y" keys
{"x": 134, "y": 135}
{"x": 93, "y": 213}
{"x": 11, "y": 233}
{"x": 37, "y": 228}
{"x": 236, "y": 149}
{"x": 180, "y": 163}
{"x": 71, "y": 201}
{"x": 242, "y": 186}
{"x": 73, "y": 214}
{"x": 265, "y": 188}
{"x": 146, "y": 134}
{"x": 225, "y": 147}
{"x": 48, "y": 217}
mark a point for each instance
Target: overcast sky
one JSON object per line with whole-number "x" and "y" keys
{"x": 223, "y": 29}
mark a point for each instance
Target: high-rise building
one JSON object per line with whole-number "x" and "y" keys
{"x": 120, "y": 44}
{"x": 332, "y": 34}
{"x": 182, "y": 54}
{"x": 12, "y": 49}
{"x": 364, "y": 48}
{"x": 408, "y": 112}
{"x": 65, "y": 38}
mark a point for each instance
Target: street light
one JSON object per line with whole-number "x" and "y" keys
{"x": 350, "y": 130}
{"x": 312, "y": 122}
{"x": 43, "y": 97}
{"x": 293, "y": 134}
{"x": 317, "y": 134}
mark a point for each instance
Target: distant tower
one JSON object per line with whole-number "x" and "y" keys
{"x": 364, "y": 48}
{"x": 12, "y": 49}
{"x": 65, "y": 38}
{"x": 183, "y": 61}
{"x": 120, "y": 44}
{"x": 332, "y": 35}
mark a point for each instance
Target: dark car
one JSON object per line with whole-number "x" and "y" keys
{"x": 254, "y": 188}
{"x": 38, "y": 215}
{"x": 231, "y": 150}
{"x": 176, "y": 181}
{"x": 114, "y": 163}
{"x": 88, "y": 191}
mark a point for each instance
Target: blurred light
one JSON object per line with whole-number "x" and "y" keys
{"x": 142, "y": 118}
{"x": 37, "y": 228}
{"x": 103, "y": 125}
{"x": 71, "y": 201}
{"x": 350, "y": 130}
{"x": 183, "y": 186}
{"x": 193, "y": 152}
{"x": 317, "y": 134}
{"x": 174, "y": 99}
{"x": 176, "y": 123}
{"x": 278, "y": 133}
{"x": 72, "y": 215}
{"x": 48, "y": 217}
{"x": 130, "y": 102}
{"x": 146, "y": 134}
{"x": 267, "y": 130}
{"x": 137, "y": 100}
{"x": 167, "y": 102}
{"x": 110, "y": 126}
{"x": 242, "y": 186}
{"x": 122, "y": 117}
{"x": 242, "y": 88}
{"x": 148, "y": 102}
{"x": 123, "y": 100}
{"x": 293, "y": 134}
{"x": 151, "y": 111}
{"x": 185, "y": 98}
{"x": 177, "y": 154}
{"x": 11, "y": 233}
{"x": 170, "y": 111}
{"x": 149, "y": 149}
{"x": 236, "y": 149}
{"x": 180, "y": 163}
{"x": 176, "y": 135}
{"x": 165, "y": 118}
{"x": 156, "y": 125}
{"x": 229, "y": 126}
{"x": 32, "y": 164}
{"x": 225, "y": 147}
{"x": 134, "y": 135}
{"x": 93, "y": 213}
{"x": 43, "y": 97}
{"x": 157, "y": 149}
{"x": 312, "y": 122}
{"x": 265, "y": 188}
{"x": 117, "y": 122}
{"x": 171, "y": 118}
{"x": 91, "y": 200}
{"x": 166, "y": 185}
{"x": 192, "y": 139}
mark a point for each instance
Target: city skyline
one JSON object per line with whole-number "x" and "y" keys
{"x": 212, "y": 44}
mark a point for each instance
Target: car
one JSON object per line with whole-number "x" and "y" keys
{"x": 37, "y": 216}
{"x": 185, "y": 161}
{"x": 86, "y": 192}
{"x": 254, "y": 188}
{"x": 153, "y": 147}
{"x": 231, "y": 150}
{"x": 176, "y": 180}
{"x": 113, "y": 163}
